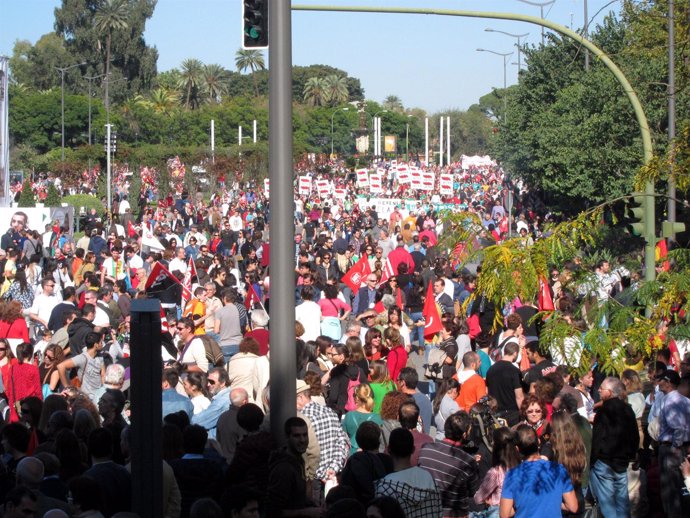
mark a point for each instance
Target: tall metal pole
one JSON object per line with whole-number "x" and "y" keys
{"x": 671, "y": 188}
{"x": 440, "y": 143}
{"x": 448, "y": 140}
{"x": 90, "y": 79}
{"x": 62, "y": 71}
{"x": 585, "y": 29}
{"x": 108, "y": 168}
{"x": 541, "y": 6}
{"x": 283, "y": 369}
{"x": 519, "y": 44}
{"x": 426, "y": 141}
{"x": 505, "y": 56}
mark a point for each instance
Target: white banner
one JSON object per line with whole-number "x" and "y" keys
{"x": 304, "y": 186}
{"x": 267, "y": 187}
{"x": 428, "y": 180}
{"x": 323, "y": 187}
{"x": 416, "y": 179}
{"x": 339, "y": 193}
{"x": 375, "y": 184}
{"x": 446, "y": 184}
{"x": 362, "y": 178}
{"x": 403, "y": 174}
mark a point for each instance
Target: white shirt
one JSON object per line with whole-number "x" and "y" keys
{"x": 178, "y": 264}
{"x": 309, "y": 315}
{"x": 195, "y": 354}
{"x": 235, "y": 222}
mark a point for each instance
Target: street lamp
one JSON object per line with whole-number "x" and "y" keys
{"x": 89, "y": 79}
{"x": 518, "y": 36}
{"x": 333, "y": 115}
{"x": 62, "y": 71}
{"x": 505, "y": 56}
{"x": 407, "y": 139}
{"x": 541, "y": 6}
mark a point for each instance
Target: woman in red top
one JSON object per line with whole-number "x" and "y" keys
{"x": 12, "y": 323}
{"x": 22, "y": 380}
{"x": 397, "y": 356}
{"x": 6, "y": 359}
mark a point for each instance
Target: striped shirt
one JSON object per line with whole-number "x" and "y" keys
{"x": 455, "y": 473}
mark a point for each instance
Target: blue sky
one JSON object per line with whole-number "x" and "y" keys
{"x": 429, "y": 62}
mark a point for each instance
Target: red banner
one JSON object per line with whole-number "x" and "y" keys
{"x": 356, "y": 275}
{"x": 432, "y": 324}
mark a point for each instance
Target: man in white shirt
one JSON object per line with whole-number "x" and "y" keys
{"x": 235, "y": 221}
{"x": 179, "y": 263}
{"x": 193, "y": 353}
{"x": 194, "y": 233}
{"x": 44, "y": 303}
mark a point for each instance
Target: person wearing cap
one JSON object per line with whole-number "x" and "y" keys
{"x": 615, "y": 439}
{"x": 674, "y": 441}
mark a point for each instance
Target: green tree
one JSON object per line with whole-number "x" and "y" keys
{"x": 315, "y": 92}
{"x": 27, "y": 198}
{"x": 252, "y": 60}
{"x": 53, "y": 198}
{"x": 215, "y": 82}
{"x": 111, "y": 16}
{"x": 393, "y": 103}
{"x": 130, "y": 57}
{"x": 191, "y": 81}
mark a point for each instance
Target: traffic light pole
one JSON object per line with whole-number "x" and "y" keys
{"x": 283, "y": 368}
{"x": 649, "y": 233}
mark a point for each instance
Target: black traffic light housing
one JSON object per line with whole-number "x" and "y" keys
{"x": 254, "y": 24}
{"x": 635, "y": 214}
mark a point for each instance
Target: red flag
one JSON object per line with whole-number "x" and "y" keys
{"x": 131, "y": 230}
{"x": 187, "y": 280}
{"x": 545, "y": 300}
{"x": 661, "y": 252}
{"x": 160, "y": 278}
{"x": 387, "y": 272}
{"x": 432, "y": 319}
{"x": 164, "y": 322}
{"x": 251, "y": 298}
{"x": 356, "y": 275}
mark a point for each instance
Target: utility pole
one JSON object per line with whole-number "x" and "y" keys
{"x": 671, "y": 190}
{"x": 585, "y": 29}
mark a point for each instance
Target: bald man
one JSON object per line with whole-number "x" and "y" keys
{"x": 228, "y": 431}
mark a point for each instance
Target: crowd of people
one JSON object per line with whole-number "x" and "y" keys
{"x": 394, "y": 417}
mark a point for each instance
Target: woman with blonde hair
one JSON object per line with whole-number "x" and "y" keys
{"x": 89, "y": 265}
{"x": 381, "y": 383}
{"x": 364, "y": 402}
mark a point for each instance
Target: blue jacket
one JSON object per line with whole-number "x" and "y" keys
{"x": 174, "y": 402}
{"x": 209, "y": 418}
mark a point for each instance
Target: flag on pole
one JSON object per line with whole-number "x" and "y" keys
{"x": 432, "y": 324}
{"x": 187, "y": 281}
{"x": 160, "y": 279}
{"x": 148, "y": 239}
{"x": 131, "y": 230}
{"x": 356, "y": 275}
{"x": 387, "y": 272}
{"x": 251, "y": 298}
{"x": 164, "y": 322}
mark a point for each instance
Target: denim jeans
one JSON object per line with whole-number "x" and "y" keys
{"x": 417, "y": 332}
{"x": 611, "y": 490}
{"x": 229, "y": 351}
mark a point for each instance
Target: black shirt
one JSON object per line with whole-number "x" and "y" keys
{"x": 502, "y": 379}
{"x": 537, "y": 372}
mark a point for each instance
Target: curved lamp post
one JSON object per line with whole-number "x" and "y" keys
{"x": 518, "y": 36}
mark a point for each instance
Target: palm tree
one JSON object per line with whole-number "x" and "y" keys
{"x": 253, "y": 60}
{"x": 191, "y": 79}
{"x": 393, "y": 103}
{"x": 336, "y": 89}
{"x": 315, "y": 91}
{"x": 215, "y": 82}
{"x": 111, "y": 16}
{"x": 162, "y": 100}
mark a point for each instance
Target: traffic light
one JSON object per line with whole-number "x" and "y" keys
{"x": 113, "y": 143}
{"x": 254, "y": 24}
{"x": 670, "y": 229}
{"x": 635, "y": 214}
